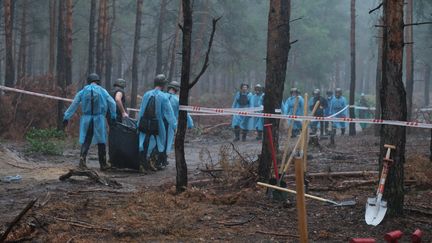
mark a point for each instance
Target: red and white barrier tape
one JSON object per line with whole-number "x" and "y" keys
{"x": 302, "y": 118}
{"x": 246, "y": 112}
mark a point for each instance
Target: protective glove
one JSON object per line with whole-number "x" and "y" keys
{"x": 65, "y": 123}
{"x": 124, "y": 115}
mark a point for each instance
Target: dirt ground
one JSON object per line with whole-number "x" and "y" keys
{"x": 221, "y": 205}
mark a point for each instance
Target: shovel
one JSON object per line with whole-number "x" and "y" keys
{"x": 277, "y": 195}
{"x": 376, "y": 208}
{"x": 343, "y": 203}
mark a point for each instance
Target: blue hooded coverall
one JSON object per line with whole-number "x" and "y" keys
{"x": 288, "y": 109}
{"x": 336, "y": 105}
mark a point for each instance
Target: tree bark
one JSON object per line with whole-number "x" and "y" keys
{"x": 91, "y": 47}
{"x": 136, "y": 50}
{"x": 278, "y": 46}
{"x": 60, "y": 62}
{"x": 8, "y": 24}
{"x": 159, "y": 37}
{"x": 182, "y": 178}
{"x": 409, "y": 58}
{"x": 68, "y": 43}
{"x": 393, "y": 102}
{"x": 352, "y": 130}
{"x": 100, "y": 47}
{"x": 108, "y": 47}
{"x": 427, "y": 83}
{"x": 172, "y": 66}
{"x": 22, "y": 53}
{"x": 52, "y": 14}
{"x": 378, "y": 80}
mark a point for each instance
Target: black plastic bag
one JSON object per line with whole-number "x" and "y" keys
{"x": 123, "y": 144}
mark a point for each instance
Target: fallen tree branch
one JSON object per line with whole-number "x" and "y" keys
{"x": 92, "y": 175}
{"x": 229, "y": 224}
{"x": 276, "y": 233}
{"x": 82, "y": 224}
{"x": 207, "y": 129}
{"x": 17, "y": 219}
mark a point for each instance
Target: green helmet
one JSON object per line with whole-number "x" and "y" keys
{"x": 120, "y": 83}
{"x": 160, "y": 80}
{"x": 174, "y": 85}
{"x": 93, "y": 77}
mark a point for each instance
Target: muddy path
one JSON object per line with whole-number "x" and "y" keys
{"x": 146, "y": 208}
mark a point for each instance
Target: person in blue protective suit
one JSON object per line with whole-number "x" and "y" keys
{"x": 172, "y": 90}
{"x": 155, "y": 107}
{"x": 257, "y": 101}
{"x": 338, "y": 103}
{"x": 288, "y": 109}
{"x": 242, "y": 99}
{"x": 319, "y": 112}
{"x": 327, "y": 112}
{"x": 95, "y": 102}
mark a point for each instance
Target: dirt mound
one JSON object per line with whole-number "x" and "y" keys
{"x": 418, "y": 167}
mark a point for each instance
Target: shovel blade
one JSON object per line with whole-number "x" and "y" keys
{"x": 375, "y": 211}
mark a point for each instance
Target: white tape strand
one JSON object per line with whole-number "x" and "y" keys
{"x": 249, "y": 112}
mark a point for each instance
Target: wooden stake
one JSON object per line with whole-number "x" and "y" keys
{"x": 300, "y": 197}
{"x": 305, "y": 127}
{"x": 290, "y": 127}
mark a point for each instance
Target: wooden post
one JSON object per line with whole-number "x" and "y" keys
{"x": 305, "y": 137}
{"x": 300, "y": 197}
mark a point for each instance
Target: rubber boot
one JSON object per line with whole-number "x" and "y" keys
{"x": 259, "y": 135}
{"x": 82, "y": 163}
{"x": 343, "y": 131}
{"x": 237, "y": 133}
{"x": 102, "y": 157}
{"x": 244, "y": 134}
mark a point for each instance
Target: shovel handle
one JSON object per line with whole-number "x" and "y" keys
{"x": 272, "y": 149}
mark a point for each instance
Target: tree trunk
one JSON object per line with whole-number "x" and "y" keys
{"x": 8, "y": 24}
{"x": 108, "y": 47}
{"x": 352, "y": 130}
{"x": 427, "y": 83}
{"x": 91, "y": 47}
{"x": 159, "y": 37}
{"x": 100, "y": 48}
{"x": 337, "y": 75}
{"x": 68, "y": 43}
{"x": 22, "y": 53}
{"x": 393, "y": 102}
{"x": 52, "y": 14}
{"x": 136, "y": 50}
{"x": 172, "y": 68}
{"x": 378, "y": 81}
{"x": 409, "y": 58}
{"x": 278, "y": 45}
{"x": 182, "y": 178}
{"x": 60, "y": 66}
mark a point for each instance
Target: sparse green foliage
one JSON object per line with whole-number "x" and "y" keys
{"x": 45, "y": 141}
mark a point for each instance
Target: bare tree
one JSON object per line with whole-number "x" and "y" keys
{"x": 352, "y": 130}
{"x": 278, "y": 46}
{"x": 8, "y": 24}
{"x": 22, "y": 52}
{"x": 136, "y": 50}
{"x": 68, "y": 43}
{"x": 427, "y": 72}
{"x": 185, "y": 87}
{"x": 52, "y": 14}
{"x": 393, "y": 102}
{"x": 91, "y": 47}
{"x": 378, "y": 76}
{"x": 409, "y": 57}
{"x": 60, "y": 62}
{"x": 159, "y": 37}
{"x": 100, "y": 47}
{"x": 108, "y": 46}
{"x": 175, "y": 45}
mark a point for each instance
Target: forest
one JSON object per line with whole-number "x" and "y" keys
{"x": 277, "y": 120}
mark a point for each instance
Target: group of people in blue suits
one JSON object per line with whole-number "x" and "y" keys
{"x": 332, "y": 105}
{"x": 245, "y": 99}
{"x": 157, "y": 119}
